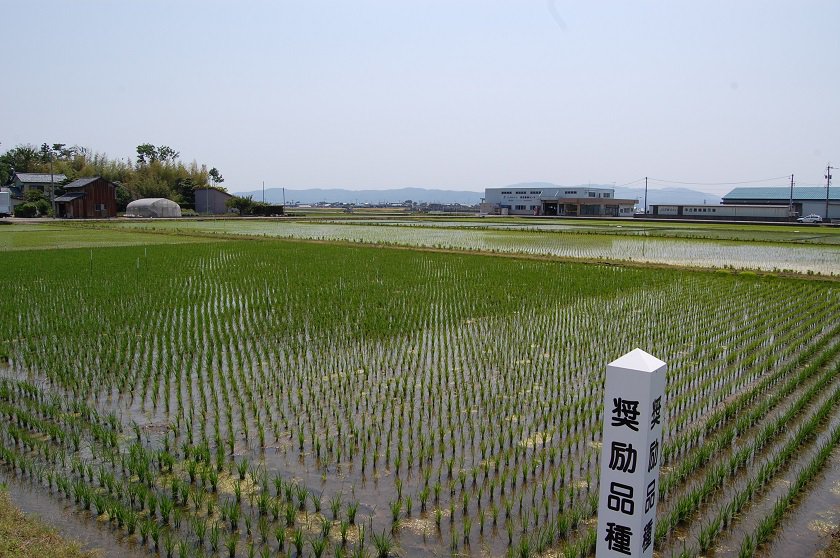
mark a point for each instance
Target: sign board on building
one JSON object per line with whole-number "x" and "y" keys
{"x": 634, "y": 409}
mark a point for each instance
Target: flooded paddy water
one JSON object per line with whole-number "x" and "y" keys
{"x": 816, "y": 517}
{"x": 70, "y": 523}
{"x": 565, "y": 241}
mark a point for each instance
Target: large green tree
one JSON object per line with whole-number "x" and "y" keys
{"x": 23, "y": 158}
{"x": 216, "y": 176}
{"x": 148, "y": 153}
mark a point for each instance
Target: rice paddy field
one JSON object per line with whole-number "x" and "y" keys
{"x": 193, "y": 395}
{"x": 766, "y": 248}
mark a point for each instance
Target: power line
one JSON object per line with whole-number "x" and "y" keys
{"x": 720, "y": 183}
{"x": 631, "y": 183}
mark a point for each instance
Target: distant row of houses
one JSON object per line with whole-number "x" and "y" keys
{"x": 96, "y": 198}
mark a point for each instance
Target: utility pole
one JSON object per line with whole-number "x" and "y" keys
{"x": 790, "y": 202}
{"x": 828, "y": 169}
{"x": 263, "y": 191}
{"x": 52, "y": 185}
{"x": 646, "y": 195}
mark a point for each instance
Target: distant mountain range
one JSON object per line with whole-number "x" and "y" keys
{"x": 675, "y": 196}
{"x": 430, "y": 195}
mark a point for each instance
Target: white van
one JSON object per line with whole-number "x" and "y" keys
{"x": 5, "y": 203}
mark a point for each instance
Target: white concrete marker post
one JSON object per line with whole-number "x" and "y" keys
{"x": 634, "y": 409}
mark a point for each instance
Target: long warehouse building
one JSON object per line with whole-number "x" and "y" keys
{"x": 805, "y": 200}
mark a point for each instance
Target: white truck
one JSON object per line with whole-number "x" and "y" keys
{"x": 5, "y": 203}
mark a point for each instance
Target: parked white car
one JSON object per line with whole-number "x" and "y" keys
{"x": 812, "y": 218}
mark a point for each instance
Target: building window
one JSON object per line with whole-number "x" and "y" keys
{"x": 522, "y": 192}
{"x": 505, "y": 192}
{"x": 519, "y": 208}
{"x": 591, "y": 194}
{"x": 606, "y": 195}
{"x": 100, "y": 207}
{"x": 536, "y": 192}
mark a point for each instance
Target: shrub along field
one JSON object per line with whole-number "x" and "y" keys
{"x": 265, "y": 397}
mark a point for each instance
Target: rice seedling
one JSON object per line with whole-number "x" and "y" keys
{"x": 319, "y": 546}
{"x": 280, "y": 537}
{"x": 248, "y": 524}
{"x": 155, "y": 533}
{"x": 169, "y": 544}
{"x": 335, "y": 506}
{"x": 344, "y": 529}
{"x": 396, "y": 507}
{"x": 230, "y": 544}
{"x": 199, "y": 527}
{"x": 317, "y": 501}
{"x": 384, "y": 544}
{"x": 297, "y": 541}
{"x": 215, "y": 536}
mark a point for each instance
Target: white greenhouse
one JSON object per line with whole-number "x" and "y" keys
{"x": 153, "y": 207}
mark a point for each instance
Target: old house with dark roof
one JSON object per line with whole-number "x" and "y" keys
{"x": 88, "y": 198}
{"x": 23, "y": 182}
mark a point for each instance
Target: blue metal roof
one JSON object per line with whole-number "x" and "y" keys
{"x": 800, "y": 193}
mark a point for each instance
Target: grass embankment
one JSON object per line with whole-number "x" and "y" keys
{"x": 59, "y": 235}
{"x": 23, "y": 536}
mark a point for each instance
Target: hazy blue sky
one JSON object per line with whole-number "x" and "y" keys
{"x": 436, "y": 93}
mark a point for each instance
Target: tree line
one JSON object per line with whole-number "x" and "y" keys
{"x": 156, "y": 172}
